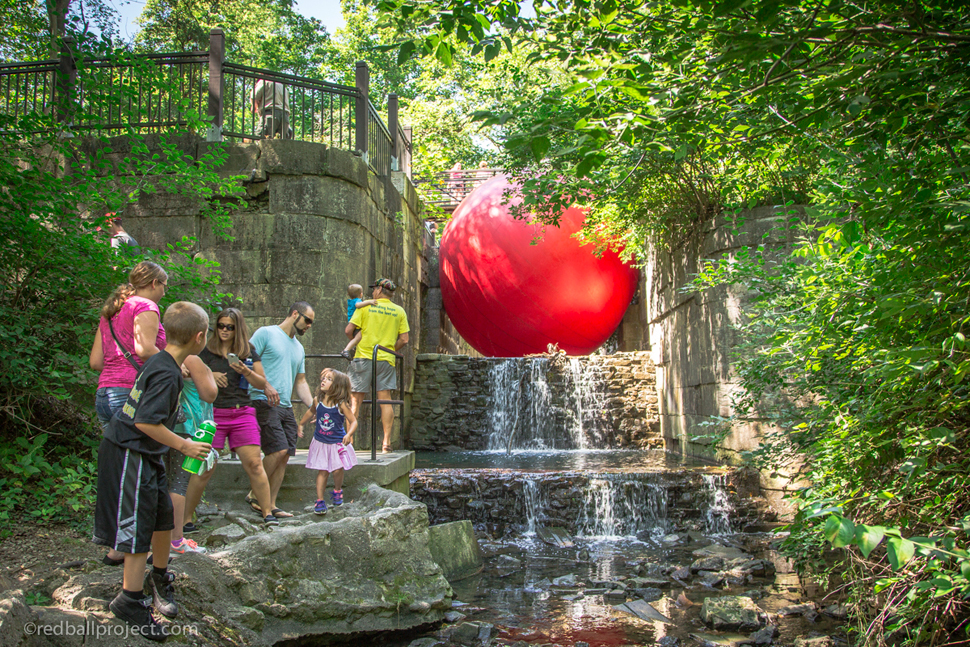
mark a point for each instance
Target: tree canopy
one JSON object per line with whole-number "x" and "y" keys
{"x": 856, "y": 350}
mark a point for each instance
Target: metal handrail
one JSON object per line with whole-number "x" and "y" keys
{"x": 375, "y": 410}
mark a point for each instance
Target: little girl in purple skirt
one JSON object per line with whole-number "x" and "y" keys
{"x": 331, "y": 449}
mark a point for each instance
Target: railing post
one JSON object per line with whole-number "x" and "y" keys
{"x": 392, "y": 127}
{"x": 409, "y": 149}
{"x": 66, "y": 82}
{"x": 362, "y": 81}
{"x": 217, "y": 56}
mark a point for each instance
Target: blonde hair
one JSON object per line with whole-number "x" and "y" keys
{"x": 355, "y": 291}
{"x": 141, "y": 276}
{"x": 183, "y": 321}
{"x": 339, "y": 389}
{"x": 240, "y": 342}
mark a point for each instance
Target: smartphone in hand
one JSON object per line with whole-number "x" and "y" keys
{"x": 233, "y": 358}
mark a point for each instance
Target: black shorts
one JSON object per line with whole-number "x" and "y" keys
{"x": 133, "y": 501}
{"x": 277, "y": 428}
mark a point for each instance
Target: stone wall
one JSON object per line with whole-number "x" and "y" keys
{"x": 693, "y": 337}
{"x": 317, "y": 220}
{"x": 454, "y": 402}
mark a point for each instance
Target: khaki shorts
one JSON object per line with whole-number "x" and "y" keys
{"x": 360, "y": 376}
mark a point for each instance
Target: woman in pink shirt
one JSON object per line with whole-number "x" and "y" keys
{"x": 132, "y": 310}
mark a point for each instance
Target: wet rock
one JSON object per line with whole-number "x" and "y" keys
{"x": 815, "y": 641}
{"x": 565, "y": 580}
{"x": 731, "y": 613}
{"x": 649, "y": 582}
{"x": 582, "y": 555}
{"x": 615, "y": 596}
{"x": 605, "y": 584}
{"x": 755, "y": 594}
{"x": 764, "y": 636}
{"x": 709, "y": 579}
{"x": 454, "y": 616}
{"x": 797, "y": 609}
{"x": 581, "y": 643}
{"x": 426, "y": 642}
{"x": 672, "y": 540}
{"x": 724, "y": 552}
{"x": 719, "y": 640}
{"x": 471, "y": 633}
{"x": 707, "y": 564}
{"x": 682, "y": 574}
{"x": 669, "y": 641}
{"x": 595, "y": 591}
{"x": 507, "y": 561}
{"x": 837, "y": 611}
{"x": 648, "y": 594}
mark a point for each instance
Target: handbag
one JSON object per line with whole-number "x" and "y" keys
{"x": 180, "y": 416}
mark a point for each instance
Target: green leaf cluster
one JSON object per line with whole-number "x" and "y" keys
{"x": 854, "y": 357}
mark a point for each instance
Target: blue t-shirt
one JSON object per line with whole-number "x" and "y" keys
{"x": 352, "y": 307}
{"x": 330, "y": 425}
{"x": 283, "y": 359}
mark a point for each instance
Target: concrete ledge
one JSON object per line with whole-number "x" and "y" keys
{"x": 229, "y": 484}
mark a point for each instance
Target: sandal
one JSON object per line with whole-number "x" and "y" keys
{"x": 254, "y": 504}
{"x": 387, "y": 449}
{"x": 280, "y": 514}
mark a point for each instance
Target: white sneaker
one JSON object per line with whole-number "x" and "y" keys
{"x": 187, "y": 546}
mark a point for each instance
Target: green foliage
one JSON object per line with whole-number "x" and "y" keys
{"x": 261, "y": 33}
{"x": 55, "y": 272}
{"x": 854, "y": 358}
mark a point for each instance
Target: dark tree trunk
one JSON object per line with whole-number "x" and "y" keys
{"x": 57, "y": 17}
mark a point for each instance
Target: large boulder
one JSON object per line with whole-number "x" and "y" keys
{"x": 363, "y": 568}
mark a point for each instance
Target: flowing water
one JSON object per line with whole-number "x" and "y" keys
{"x": 633, "y": 517}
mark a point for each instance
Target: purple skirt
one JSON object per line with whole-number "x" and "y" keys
{"x": 330, "y": 458}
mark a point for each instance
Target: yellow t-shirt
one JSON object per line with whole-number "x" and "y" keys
{"x": 380, "y": 324}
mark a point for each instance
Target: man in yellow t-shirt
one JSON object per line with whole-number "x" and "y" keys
{"x": 383, "y": 324}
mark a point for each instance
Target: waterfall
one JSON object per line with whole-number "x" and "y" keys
{"x": 504, "y": 397}
{"x": 535, "y": 504}
{"x": 622, "y": 505}
{"x": 527, "y": 413}
{"x": 717, "y": 520}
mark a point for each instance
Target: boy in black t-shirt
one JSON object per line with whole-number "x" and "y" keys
{"x": 134, "y": 511}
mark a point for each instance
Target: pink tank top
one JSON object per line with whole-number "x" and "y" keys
{"x": 117, "y": 370}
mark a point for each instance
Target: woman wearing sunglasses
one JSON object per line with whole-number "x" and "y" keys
{"x": 235, "y": 365}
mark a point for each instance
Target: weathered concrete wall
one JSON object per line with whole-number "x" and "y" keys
{"x": 451, "y": 402}
{"x": 692, "y": 333}
{"x": 317, "y": 220}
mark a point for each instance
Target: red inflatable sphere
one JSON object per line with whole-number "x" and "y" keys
{"x": 509, "y": 298}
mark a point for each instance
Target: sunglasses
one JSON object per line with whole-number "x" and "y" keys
{"x": 229, "y": 327}
{"x": 307, "y": 319}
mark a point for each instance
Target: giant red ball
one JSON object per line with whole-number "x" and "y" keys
{"x": 508, "y": 297}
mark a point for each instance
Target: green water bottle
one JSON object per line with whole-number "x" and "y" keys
{"x": 204, "y": 434}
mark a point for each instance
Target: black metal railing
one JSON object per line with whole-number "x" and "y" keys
{"x": 149, "y": 92}
{"x": 375, "y": 410}
{"x": 27, "y": 87}
{"x": 375, "y": 413}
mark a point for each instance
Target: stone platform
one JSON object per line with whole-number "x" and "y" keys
{"x": 229, "y": 484}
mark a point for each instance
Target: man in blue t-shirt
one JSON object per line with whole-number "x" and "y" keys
{"x": 284, "y": 362}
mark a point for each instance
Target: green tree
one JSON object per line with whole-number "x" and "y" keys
{"x": 262, "y": 33}
{"x": 56, "y": 269}
{"x": 857, "y": 348}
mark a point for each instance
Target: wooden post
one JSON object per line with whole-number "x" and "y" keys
{"x": 392, "y": 127}
{"x": 362, "y": 81}
{"x": 217, "y": 56}
{"x": 65, "y": 82}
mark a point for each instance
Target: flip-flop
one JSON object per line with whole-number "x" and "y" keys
{"x": 387, "y": 449}
{"x": 280, "y": 514}
{"x": 255, "y": 507}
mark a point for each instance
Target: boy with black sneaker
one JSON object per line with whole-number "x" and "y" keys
{"x": 134, "y": 510}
